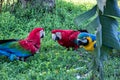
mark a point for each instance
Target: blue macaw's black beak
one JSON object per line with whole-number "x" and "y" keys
{"x": 83, "y": 42}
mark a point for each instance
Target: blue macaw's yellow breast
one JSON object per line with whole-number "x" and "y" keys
{"x": 91, "y": 45}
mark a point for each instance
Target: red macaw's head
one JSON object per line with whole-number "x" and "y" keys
{"x": 59, "y": 34}
{"x": 32, "y": 42}
{"x": 36, "y": 34}
{"x": 56, "y": 34}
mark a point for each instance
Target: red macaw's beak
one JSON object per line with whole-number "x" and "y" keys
{"x": 42, "y": 34}
{"x": 55, "y": 37}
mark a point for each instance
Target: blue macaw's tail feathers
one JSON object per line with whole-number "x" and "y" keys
{"x": 8, "y": 40}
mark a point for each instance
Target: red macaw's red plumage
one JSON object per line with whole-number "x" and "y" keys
{"x": 67, "y": 38}
{"x": 32, "y": 42}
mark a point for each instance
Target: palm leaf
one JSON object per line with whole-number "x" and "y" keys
{"x": 93, "y": 24}
{"x": 112, "y": 8}
{"x": 85, "y": 16}
{"x": 109, "y": 32}
{"x": 99, "y": 36}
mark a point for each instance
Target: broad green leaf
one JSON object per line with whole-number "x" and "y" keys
{"x": 85, "y": 16}
{"x": 98, "y": 64}
{"x": 99, "y": 36}
{"x": 101, "y": 4}
{"x": 109, "y": 32}
{"x": 93, "y": 25}
{"x": 105, "y": 51}
{"x": 112, "y": 8}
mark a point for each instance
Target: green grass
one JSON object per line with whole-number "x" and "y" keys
{"x": 53, "y": 62}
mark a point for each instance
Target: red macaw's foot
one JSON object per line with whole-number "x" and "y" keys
{"x": 24, "y": 58}
{"x": 73, "y": 49}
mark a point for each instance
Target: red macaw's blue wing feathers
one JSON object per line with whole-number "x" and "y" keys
{"x": 14, "y": 50}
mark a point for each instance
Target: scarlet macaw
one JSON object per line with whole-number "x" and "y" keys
{"x": 66, "y": 38}
{"x": 22, "y": 49}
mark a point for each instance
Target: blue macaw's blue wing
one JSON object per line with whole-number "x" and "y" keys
{"x": 13, "y": 50}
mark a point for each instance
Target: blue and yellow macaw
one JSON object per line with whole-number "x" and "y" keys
{"x": 87, "y": 41}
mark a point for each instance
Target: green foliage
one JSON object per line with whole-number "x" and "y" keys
{"x": 53, "y": 62}
{"x": 107, "y": 32}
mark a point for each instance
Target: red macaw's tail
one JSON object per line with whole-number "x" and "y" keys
{"x": 8, "y": 40}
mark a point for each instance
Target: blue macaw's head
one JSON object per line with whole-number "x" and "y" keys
{"x": 85, "y": 34}
{"x": 82, "y": 35}
{"x": 81, "y": 39}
